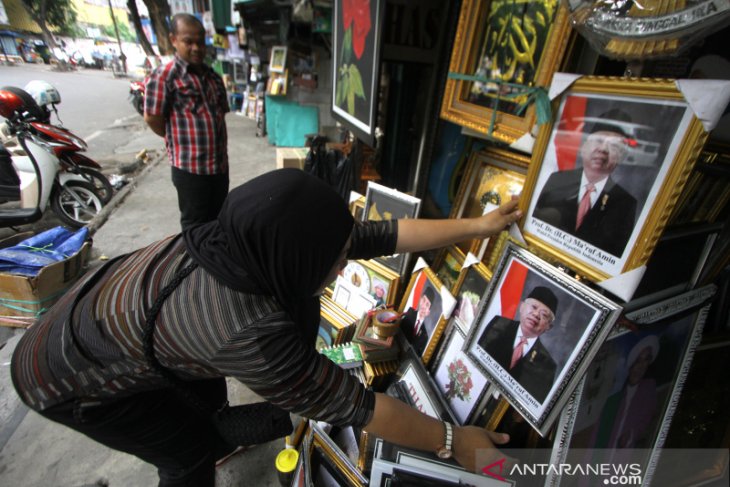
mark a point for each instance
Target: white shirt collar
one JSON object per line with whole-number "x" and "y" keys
{"x": 594, "y": 195}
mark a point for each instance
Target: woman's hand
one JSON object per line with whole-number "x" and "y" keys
{"x": 497, "y": 220}
{"x": 468, "y": 440}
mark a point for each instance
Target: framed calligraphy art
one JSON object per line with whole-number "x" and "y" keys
{"x": 516, "y": 42}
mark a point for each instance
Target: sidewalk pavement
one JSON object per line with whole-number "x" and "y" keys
{"x": 35, "y": 452}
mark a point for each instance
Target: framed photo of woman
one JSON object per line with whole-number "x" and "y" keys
{"x": 536, "y": 332}
{"x": 606, "y": 174}
{"x": 625, "y": 405}
{"x": 515, "y": 43}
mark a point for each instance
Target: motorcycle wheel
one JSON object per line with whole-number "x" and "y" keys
{"x": 139, "y": 104}
{"x": 76, "y": 203}
{"x": 104, "y": 188}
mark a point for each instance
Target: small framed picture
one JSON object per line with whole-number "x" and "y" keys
{"x": 605, "y": 176}
{"x": 396, "y": 465}
{"x": 448, "y": 266}
{"x": 333, "y": 327}
{"x": 491, "y": 178}
{"x": 469, "y": 291}
{"x": 625, "y": 405}
{"x": 536, "y": 332}
{"x": 421, "y": 391}
{"x": 425, "y": 312}
{"x": 383, "y": 203}
{"x": 277, "y": 63}
{"x": 460, "y": 382}
{"x": 374, "y": 279}
{"x": 351, "y": 298}
{"x": 331, "y": 465}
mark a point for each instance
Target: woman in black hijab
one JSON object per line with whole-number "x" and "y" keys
{"x": 248, "y": 309}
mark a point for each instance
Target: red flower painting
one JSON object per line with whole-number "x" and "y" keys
{"x": 356, "y": 25}
{"x": 357, "y": 12}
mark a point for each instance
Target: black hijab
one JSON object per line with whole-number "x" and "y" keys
{"x": 279, "y": 235}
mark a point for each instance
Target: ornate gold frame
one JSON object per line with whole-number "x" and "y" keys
{"x": 680, "y": 167}
{"x": 464, "y": 59}
{"x": 491, "y": 158}
{"x": 438, "y": 329}
{"x": 441, "y": 260}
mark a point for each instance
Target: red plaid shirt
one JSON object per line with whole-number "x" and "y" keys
{"x": 194, "y": 107}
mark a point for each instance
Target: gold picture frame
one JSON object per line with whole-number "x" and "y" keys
{"x": 654, "y": 138}
{"x": 424, "y": 282}
{"x": 529, "y": 49}
{"x": 448, "y": 264}
{"x": 492, "y": 176}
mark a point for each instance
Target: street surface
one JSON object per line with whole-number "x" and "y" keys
{"x": 96, "y": 107}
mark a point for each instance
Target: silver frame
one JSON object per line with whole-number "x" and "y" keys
{"x": 414, "y": 205}
{"x": 451, "y": 330}
{"x": 605, "y": 313}
{"x": 655, "y": 312}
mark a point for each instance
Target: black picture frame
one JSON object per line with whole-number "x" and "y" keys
{"x": 356, "y": 63}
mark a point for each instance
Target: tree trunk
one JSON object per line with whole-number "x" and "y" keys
{"x": 159, "y": 14}
{"x": 146, "y": 46}
{"x": 40, "y": 19}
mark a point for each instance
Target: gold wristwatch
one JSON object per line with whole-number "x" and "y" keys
{"x": 445, "y": 451}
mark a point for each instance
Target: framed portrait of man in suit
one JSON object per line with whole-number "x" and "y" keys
{"x": 426, "y": 306}
{"x": 535, "y": 333}
{"x": 607, "y": 172}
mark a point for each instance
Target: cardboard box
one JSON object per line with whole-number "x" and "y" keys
{"x": 291, "y": 157}
{"x": 29, "y": 296}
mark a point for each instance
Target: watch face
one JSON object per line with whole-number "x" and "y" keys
{"x": 444, "y": 454}
{"x": 356, "y": 275}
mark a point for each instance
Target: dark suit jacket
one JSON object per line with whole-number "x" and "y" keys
{"x": 607, "y": 225}
{"x": 535, "y": 371}
{"x": 407, "y": 323}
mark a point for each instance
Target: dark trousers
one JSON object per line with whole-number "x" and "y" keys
{"x": 157, "y": 427}
{"x": 199, "y": 197}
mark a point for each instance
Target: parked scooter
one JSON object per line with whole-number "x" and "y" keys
{"x": 31, "y": 178}
{"x": 66, "y": 145}
{"x": 136, "y": 95}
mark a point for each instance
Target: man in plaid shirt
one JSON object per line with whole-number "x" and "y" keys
{"x": 186, "y": 103}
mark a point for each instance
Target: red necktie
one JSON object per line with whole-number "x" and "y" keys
{"x": 517, "y": 354}
{"x": 416, "y": 327}
{"x": 585, "y": 205}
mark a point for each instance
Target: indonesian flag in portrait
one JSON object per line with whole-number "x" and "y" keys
{"x": 418, "y": 289}
{"x": 569, "y": 133}
{"x": 508, "y": 297}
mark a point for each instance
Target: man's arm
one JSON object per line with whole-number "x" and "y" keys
{"x": 396, "y": 422}
{"x": 156, "y": 123}
{"x": 418, "y": 235}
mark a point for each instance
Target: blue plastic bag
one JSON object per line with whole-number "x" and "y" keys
{"x": 28, "y": 257}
